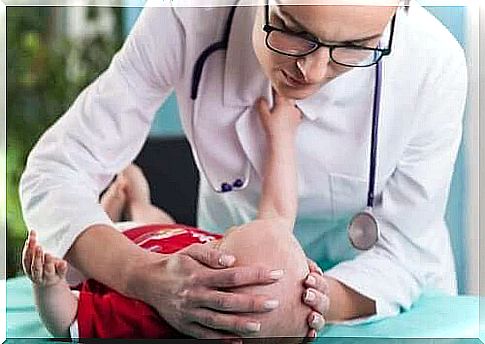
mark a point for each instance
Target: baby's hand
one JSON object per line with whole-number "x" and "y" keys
{"x": 282, "y": 119}
{"x": 43, "y": 269}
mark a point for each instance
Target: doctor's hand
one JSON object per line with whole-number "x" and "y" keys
{"x": 316, "y": 296}
{"x": 186, "y": 290}
{"x": 281, "y": 120}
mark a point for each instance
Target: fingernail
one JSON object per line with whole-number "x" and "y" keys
{"x": 253, "y": 326}
{"x": 271, "y": 304}
{"x": 311, "y": 281}
{"x": 320, "y": 271}
{"x": 226, "y": 260}
{"x": 315, "y": 320}
{"x": 276, "y": 274}
{"x": 309, "y": 296}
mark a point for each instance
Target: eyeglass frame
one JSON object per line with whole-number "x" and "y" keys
{"x": 268, "y": 28}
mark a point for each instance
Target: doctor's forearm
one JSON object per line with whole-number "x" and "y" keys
{"x": 103, "y": 253}
{"x": 345, "y": 303}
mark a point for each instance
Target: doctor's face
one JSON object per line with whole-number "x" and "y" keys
{"x": 300, "y": 77}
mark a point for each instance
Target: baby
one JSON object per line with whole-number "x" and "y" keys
{"x": 92, "y": 310}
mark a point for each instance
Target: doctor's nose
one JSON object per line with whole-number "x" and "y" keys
{"x": 314, "y": 67}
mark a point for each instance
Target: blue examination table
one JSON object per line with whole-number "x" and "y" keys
{"x": 433, "y": 316}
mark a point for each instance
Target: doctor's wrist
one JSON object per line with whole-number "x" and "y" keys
{"x": 346, "y": 303}
{"x": 143, "y": 275}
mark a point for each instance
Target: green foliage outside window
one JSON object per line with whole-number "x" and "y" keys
{"x": 46, "y": 70}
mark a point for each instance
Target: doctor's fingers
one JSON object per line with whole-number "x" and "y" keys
{"x": 316, "y": 322}
{"x": 318, "y": 301}
{"x": 231, "y": 302}
{"x": 209, "y": 256}
{"x": 201, "y": 332}
{"x": 314, "y": 267}
{"x": 240, "y": 325}
{"x": 239, "y": 277}
{"x": 317, "y": 281}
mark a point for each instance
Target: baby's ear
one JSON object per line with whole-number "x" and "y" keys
{"x": 216, "y": 244}
{"x": 232, "y": 229}
{"x": 219, "y": 244}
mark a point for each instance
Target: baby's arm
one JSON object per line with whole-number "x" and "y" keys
{"x": 56, "y": 303}
{"x": 279, "y": 197}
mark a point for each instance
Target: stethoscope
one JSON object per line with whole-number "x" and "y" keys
{"x": 363, "y": 228}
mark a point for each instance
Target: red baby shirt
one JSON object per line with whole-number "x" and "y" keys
{"x": 105, "y": 313}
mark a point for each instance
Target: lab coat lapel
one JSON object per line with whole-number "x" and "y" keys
{"x": 227, "y": 132}
{"x": 244, "y": 83}
{"x": 244, "y": 80}
{"x": 251, "y": 135}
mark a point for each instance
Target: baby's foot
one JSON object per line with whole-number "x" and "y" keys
{"x": 136, "y": 185}
{"x": 114, "y": 199}
{"x": 139, "y": 207}
{"x": 43, "y": 269}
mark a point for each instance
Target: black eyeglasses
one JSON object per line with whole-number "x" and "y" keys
{"x": 300, "y": 44}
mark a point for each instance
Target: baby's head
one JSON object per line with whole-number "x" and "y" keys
{"x": 270, "y": 243}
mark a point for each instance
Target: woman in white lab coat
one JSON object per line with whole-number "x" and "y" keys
{"x": 422, "y": 102}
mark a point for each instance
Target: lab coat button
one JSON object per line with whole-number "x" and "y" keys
{"x": 225, "y": 187}
{"x": 238, "y": 183}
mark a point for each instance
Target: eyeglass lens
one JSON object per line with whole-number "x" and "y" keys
{"x": 294, "y": 45}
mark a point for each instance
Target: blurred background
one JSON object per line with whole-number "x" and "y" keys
{"x": 54, "y": 52}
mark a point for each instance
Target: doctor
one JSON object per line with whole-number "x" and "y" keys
{"x": 422, "y": 101}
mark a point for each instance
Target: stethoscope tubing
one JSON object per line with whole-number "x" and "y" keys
{"x": 375, "y": 128}
{"x": 196, "y": 79}
{"x": 199, "y": 64}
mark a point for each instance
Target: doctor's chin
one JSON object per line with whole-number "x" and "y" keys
{"x": 256, "y": 172}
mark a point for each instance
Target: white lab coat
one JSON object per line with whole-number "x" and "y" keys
{"x": 423, "y": 97}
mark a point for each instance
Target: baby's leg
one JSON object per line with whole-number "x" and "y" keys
{"x": 138, "y": 204}
{"x": 114, "y": 200}
{"x": 56, "y": 303}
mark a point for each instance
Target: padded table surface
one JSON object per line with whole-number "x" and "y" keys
{"x": 433, "y": 316}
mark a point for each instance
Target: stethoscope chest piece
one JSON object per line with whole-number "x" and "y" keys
{"x": 363, "y": 230}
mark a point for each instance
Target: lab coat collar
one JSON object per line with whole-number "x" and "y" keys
{"x": 244, "y": 80}
{"x": 337, "y": 94}
{"x": 244, "y": 83}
